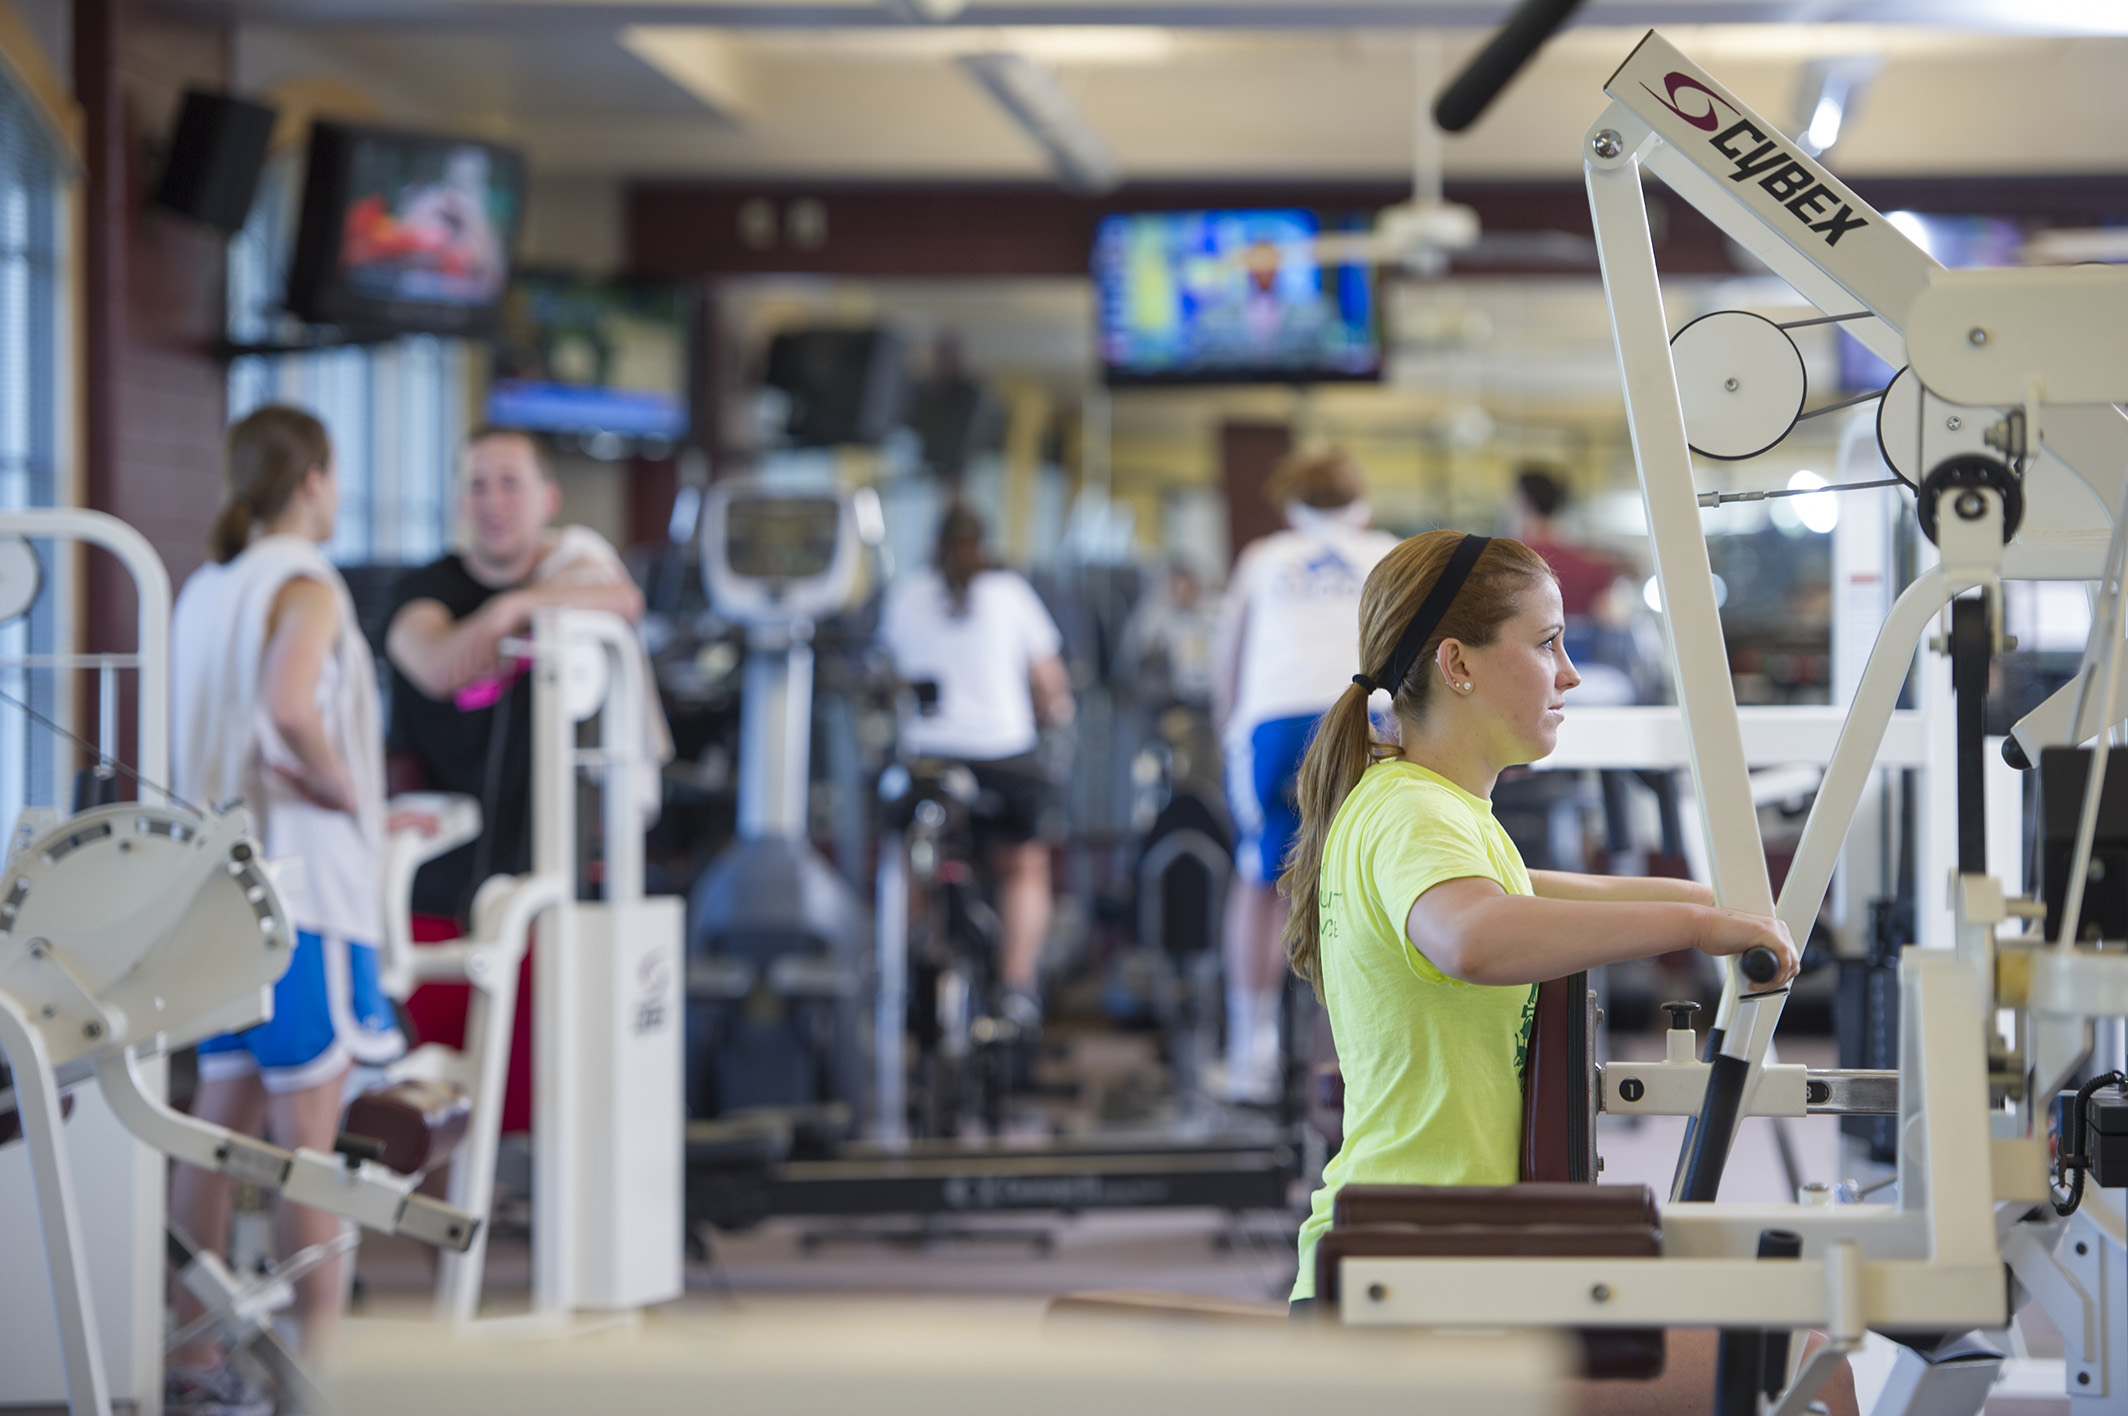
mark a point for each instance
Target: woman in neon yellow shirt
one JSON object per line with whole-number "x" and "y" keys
{"x": 1412, "y": 914}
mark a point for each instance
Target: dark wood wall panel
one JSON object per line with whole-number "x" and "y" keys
{"x": 1248, "y": 454}
{"x": 683, "y": 229}
{"x": 153, "y": 391}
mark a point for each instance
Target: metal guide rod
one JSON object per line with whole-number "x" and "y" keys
{"x": 1771, "y": 493}
{"x": 1970, "y": 656}
{"x": 2101, "y": 656}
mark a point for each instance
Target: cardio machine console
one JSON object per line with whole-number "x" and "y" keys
{"x": 776, "y": 553}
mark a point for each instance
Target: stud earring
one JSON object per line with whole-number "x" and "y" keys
{"x": 1463, "y": 688}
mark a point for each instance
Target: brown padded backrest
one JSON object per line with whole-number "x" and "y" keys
{"x": 1549, "y": 1085}
{"x": 1442, "y": 1206}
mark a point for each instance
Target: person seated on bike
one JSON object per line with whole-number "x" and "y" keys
{"x": 983, "y": 637}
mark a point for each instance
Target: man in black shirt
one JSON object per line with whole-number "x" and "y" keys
{"x": 460, "y": 710}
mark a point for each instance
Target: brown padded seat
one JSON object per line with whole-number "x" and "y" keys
{"x": 1556, "y": 1203}
{"x": 418, "y": 1123}
{"x": 1506, "y": 1221}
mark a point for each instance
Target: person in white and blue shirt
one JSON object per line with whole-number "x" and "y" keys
{"x": 1285, "y": 648}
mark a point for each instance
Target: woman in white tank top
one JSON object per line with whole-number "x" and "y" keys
{"x": 274, "y": 701}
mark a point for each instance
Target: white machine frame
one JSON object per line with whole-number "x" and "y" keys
{"x": 1970, "y": 1172}
{"x": 608, "y": 1111}
{"x": 104, "y": 980}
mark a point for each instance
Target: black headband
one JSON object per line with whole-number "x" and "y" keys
{"x": 1429, "y": 615}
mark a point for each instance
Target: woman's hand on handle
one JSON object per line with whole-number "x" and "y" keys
{"x": 1736, "y": 932}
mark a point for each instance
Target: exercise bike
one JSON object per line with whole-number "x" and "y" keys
{"x": 966, "y": 1050}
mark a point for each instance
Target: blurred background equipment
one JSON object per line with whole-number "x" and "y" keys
{"x": 844, "y": 385}
{"x": 775, "y": 964}
{"x": 583, "y": 357}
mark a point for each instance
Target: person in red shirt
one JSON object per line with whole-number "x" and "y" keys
{"x": 1583, "y": 574}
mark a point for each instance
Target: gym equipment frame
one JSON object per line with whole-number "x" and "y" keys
{"x": 2032, "y": 356}
{"x": 125, "y": 931}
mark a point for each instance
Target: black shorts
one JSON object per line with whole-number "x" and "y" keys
{"x": 1017, "y": 795}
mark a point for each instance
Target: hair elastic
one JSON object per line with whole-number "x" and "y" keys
{"x": 1429, "y": 615}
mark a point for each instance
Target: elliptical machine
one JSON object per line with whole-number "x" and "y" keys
{"x": 776, "y": 936}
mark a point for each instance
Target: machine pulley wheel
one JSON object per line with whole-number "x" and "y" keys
{"x": 1740, "y": 383}
{"x": 1969, "y": 471}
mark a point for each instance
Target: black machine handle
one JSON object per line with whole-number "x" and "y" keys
{"x": 1499, "y": 61}
{"x": 355, "y": 1149}
{"x": 1709, "y": 1135}
{"x": 1681, "y": 1013}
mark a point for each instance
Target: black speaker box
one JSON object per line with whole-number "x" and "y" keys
{"x": 216, "y": 156}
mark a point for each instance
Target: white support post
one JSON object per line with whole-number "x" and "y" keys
{"x": 1854, "y": 758}
{"x": 2093, "y": 1254}
{"x": 775, "y": 747}
{"x": 608, "y": 1164}
{"x": 1862, "y": 569}
{"x": 890, "y": 1124}
{"x": 44, "y": 1133}
{"x": 125, "y": 1189}
{"x": 554, "y": 1068}
{"x": 503, "y": 924}
{"x": 1657, "y": 423}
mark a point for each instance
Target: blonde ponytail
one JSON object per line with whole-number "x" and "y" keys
{"x": 1344, "y": 745}
{"x": 1341, "y": 753}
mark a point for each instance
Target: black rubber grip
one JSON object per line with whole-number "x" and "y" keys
{"x": 1499, "y": 61}
{"x": 1760, "y": 965}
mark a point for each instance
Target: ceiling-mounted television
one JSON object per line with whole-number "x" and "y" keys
{"x": 588, "y": 356}
{"x": 404, "y": 233}
{"x": 1231, "y": 297}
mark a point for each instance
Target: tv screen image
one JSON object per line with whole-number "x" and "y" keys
{"x": 1229, "y": 296}
{"x": 583, "y": 356}
{"x": 405, "y": 232}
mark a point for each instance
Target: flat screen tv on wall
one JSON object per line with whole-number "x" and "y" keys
{"x": 588, "y": 356}
{"x": 405, "y": 233}
{"x": 1230, "y": 297}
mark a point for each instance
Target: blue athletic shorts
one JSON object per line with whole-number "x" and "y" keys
{"x": 1261, "y": 773}
{"x": 329, "y": 1010}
